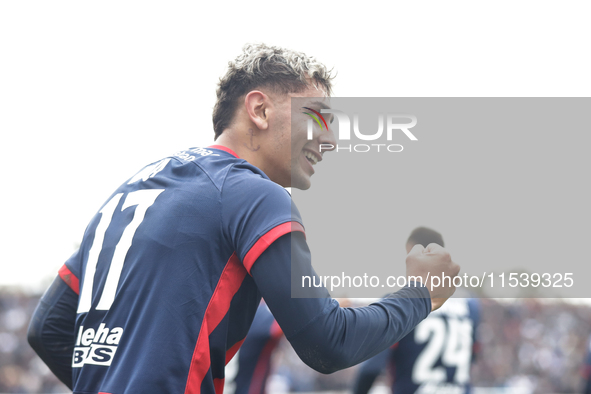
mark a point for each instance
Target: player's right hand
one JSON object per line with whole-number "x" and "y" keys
{"x": 433, "y": 261}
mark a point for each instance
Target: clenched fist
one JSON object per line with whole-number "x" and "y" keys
{"x": 429, "y": 262}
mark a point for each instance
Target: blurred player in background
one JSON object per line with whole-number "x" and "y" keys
{"x": 436, "y": 356}
{"x": 586, "y": 370}
{"x": 171, "y": 269}
{"x": 254, "y": 364}
{"x": 254, "y": 357}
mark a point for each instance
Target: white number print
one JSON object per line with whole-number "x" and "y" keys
{"x": 452, "y": 342}
{"x": 143, "y": 199}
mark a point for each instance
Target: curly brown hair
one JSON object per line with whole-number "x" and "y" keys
{"x": 260, "y": 65}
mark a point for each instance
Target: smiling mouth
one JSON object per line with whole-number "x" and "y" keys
{"x": 311, "y": 158}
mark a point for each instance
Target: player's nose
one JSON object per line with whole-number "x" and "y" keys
{"x": 327, "y": 139}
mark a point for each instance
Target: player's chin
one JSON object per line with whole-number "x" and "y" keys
{"x": 300, "y": 181}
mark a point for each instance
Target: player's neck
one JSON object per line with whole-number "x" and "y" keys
{"x": 247, "y": 145}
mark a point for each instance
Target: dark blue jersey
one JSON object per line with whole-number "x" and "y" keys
{"x": 433, "y": 358}
{"x": 164, "y": 286}
{"x": 436, "y": 356}
{"x": 254, "y": 357}
{"x": 163, "y": 271}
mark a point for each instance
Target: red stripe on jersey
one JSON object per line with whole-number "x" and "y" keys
{"x": 476, "y": 348}
{"x": 70, "y": 279}
{"x": 220, "y": 147}
{"x": 233, "y": 350}
{"x": 392, "y": 365}
{"x": 218, "y": 306}
{"x": 263, "y": 243}
{"x": 263, "y": 366}
{"x": 276, "y": 331}
{"x": 218, "y": 385}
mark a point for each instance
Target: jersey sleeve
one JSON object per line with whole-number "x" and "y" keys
{"x": 255, "y": 212}
{"x": 324, "y": 335}
{"x": 70, "y": 272}
{"x": 51, "y": 330}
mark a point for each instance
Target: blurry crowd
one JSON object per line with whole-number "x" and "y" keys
{"x": 21, "y": 371}
{"x": 524, "y": 346}
{"x": 533, "y": 345}
{"x": 538, "y": 345}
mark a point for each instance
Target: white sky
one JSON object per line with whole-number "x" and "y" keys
{"x": 92, "y": 91}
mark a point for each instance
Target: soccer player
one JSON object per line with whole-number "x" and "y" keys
{"x": 253, "y": 368}
{"x": 254, "y": 357}
{"x": 436, "y": 356}
{"x": 170, "y": 271}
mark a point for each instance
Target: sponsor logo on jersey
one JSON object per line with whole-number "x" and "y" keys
{"x": 96, "y": 347}
{"x": 188, "y": 155}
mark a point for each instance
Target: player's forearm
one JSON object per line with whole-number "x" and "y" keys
{"x": 325, "y": 336}
{"x": 51, "y": 331}
{"x": 342, "y": 337}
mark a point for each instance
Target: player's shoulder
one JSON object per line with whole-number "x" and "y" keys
{"x": 210, "y": 165}
{"x": 247, "y": 181}
{"x": 228, "y": 172}
{"x": 249, "y": 191}
{"x": 184, "y": 164}
{"x": 236, "y": 182}
{"x": 215, "y": 164}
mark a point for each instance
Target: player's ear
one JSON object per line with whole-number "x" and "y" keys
{"x": 257, "y": 107}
